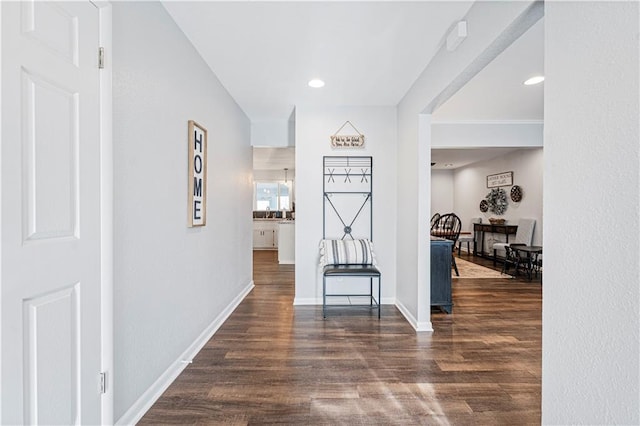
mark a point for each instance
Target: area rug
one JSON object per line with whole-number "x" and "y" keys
{"x": 471, "y": 270}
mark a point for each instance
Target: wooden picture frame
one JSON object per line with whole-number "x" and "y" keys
{"x": 197, "y": 175}
{"x": 500, "y": 179}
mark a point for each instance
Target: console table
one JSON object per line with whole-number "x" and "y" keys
{"x": 494, "y": 229}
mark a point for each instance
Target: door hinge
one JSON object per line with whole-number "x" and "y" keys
{"x": 103, "y": 382}
{"x": 101, "y": 57}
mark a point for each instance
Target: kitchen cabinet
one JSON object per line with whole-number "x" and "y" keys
{"x": 265, "y": 234}
{"x": 286, "y": 242}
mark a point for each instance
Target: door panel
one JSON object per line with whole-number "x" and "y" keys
{"x": 50, "y": 214}
{"x": 53, "y": 27}
{"x": 52, "y": 346}
{"x": 51, "y": 131}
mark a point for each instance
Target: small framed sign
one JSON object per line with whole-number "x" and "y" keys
{"x": 500, "y": 179}
{"x": 197, "y": 175}
{"x": 347, "y": 141}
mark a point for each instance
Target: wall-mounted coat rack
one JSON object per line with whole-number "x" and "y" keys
{"x": 347, "y": 197}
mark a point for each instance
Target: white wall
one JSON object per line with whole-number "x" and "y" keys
{"x": 409, "y": 191}
{"x": 170, "y": 282}
{"x": 442, "y": 191}
{"x": 470, "y": 187}
{"x": 486, "y": 134}
{"x": 591, "y": 308}
{"x": 273, "y": 133}
{"x": 314, "y": 126}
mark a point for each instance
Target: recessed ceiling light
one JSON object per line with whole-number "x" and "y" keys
{"x": 534, "y": 80}
{"x": 448, "y": 165}
{"x": 316, "y": 83}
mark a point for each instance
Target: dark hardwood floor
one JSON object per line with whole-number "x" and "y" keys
{"x": 273, "y": 363}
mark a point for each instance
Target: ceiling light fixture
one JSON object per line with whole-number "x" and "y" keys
{"x": 316, "y": 83}
{"x": 534, "y": 80}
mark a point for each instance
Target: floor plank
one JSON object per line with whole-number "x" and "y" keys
{"x": 273, "y": 363}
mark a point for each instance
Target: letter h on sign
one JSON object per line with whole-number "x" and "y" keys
{"x": 197, "y": 205}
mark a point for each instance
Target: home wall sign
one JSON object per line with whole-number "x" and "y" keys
{"x": 500, "y": 179}
{"x": 347, "y": 141}
{"x": 197, "y": 175}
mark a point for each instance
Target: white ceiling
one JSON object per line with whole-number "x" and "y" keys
{"x": 369, "y": 53}
{"x": 450, "y": 159}
{"x": 496, "y": 93}
{"x": 264, "y": 53}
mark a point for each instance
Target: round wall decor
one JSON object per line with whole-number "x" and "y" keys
{"x": 484, "y": 206}
{"x": 516, "y": 194}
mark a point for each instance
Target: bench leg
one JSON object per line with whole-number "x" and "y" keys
{"x": 379, "y": 295}
{"x": 324, "y": 296}
{"x": 371, "y": 298}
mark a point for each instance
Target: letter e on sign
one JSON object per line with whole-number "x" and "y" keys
{"x": 197, "y": 205}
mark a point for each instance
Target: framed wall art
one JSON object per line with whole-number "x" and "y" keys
{"x": 197, "y": 175}
{"x": 500, "y": 179}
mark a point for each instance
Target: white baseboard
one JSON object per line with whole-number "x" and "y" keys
{"x": 418, "y": 326}
{"x": 300, "y": 301}
{"x": 151, "y": 395}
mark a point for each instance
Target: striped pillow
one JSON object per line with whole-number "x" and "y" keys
{"x": 347, "y": 252}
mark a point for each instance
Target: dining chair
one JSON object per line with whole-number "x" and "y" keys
{"x": 434, "y": 220}
{"x": 511, "y": 258}
{"x": 524, "y": 236}
{"x": 470, "y": 236}
{"x": 448, "y": 226}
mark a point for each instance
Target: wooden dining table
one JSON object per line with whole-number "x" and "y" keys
{"x": 443, "y": 233}
{"x": 449, "y": 235}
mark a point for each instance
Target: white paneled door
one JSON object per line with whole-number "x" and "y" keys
{"x": 50, "y": 214}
